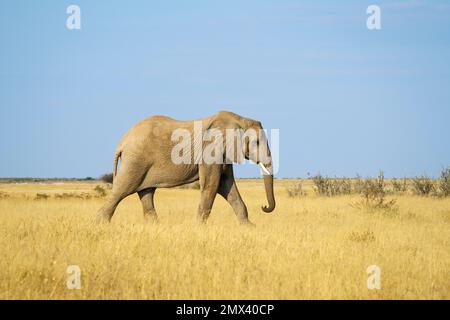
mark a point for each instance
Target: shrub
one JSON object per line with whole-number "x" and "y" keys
{"x": 295, "y": 190}
{"x": 107, "y": 178}
{"x": 399, "y": 185}
{"x": 374, "y": 195}
{"x": 3, "y": 195}
{"x": 365, "y": 236}
{"x": 423, "y": 185}
{"x": 82, "y": 195}
{"x": 321, "y": 184}
{"x": 358, "y": 185}
{"x": 444, "y": 182}
{"x": 101, "y": 192}
{"x": 340, "y": 186}
{"x": 325, "y": 186}
{"x": 41, "y": 196}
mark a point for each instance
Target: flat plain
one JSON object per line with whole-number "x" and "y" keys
{"x": 311, "y": 247}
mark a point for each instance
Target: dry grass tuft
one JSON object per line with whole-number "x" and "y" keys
{"x": 373, "y": 192}
{"x": 365, "y": 236}
{"x": 295, "y": 190}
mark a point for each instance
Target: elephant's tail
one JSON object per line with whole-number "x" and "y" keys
{"x": 116, "y": 161}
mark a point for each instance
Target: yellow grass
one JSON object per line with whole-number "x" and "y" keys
{"x": 311, "y": 247}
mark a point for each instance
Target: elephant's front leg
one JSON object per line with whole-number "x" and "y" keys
{"x": 229, "y": 191}
{"x": 209, "y": 178}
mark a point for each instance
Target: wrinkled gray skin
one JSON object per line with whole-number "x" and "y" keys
{"x": 146, "y": 164}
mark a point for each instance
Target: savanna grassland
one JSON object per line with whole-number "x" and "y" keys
{"x": 312, "y": 246}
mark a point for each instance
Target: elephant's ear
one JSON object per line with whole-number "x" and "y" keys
{"x": 224, "y": 121}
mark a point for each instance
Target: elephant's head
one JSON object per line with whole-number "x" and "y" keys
{"x": 252, "y": 144}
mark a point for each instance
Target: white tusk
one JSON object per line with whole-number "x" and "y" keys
{"x": 264, "y": 169}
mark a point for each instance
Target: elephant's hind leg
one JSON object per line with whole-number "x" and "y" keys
{"x": 107, "y": 211}
{"x": 148, "y": 205}
{"x": 126, "y": 182}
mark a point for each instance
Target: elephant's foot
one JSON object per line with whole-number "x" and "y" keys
{"x": 203, "y": 216}
{"x": 247, "y": 223}
{"x": 150, "y": 216}
{"x": 103, "y": 217}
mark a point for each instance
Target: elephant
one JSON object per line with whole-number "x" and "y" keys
{"x": 146, "y": 154}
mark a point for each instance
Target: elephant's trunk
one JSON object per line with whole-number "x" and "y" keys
{"x": 268, "y": 185}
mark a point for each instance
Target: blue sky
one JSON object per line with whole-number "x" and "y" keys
{"x": 346, "y": 100}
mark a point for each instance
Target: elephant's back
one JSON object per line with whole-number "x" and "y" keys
{"x": 155, "y": 131}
